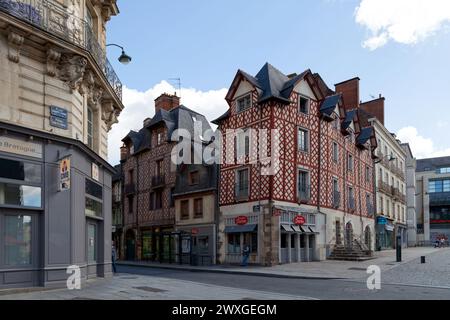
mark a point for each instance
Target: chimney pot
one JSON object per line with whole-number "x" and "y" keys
{"x": 167, "y": 102}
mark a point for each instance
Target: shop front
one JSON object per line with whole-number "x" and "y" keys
{"x": 202, "y": 245}
{"x": 241, "y": 231}
{"x": 385, "y": 233}
{"x": 298, "y": 235}
{"x": 55, "y": 210}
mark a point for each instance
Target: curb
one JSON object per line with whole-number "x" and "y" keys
{"x": 233, "y": 272}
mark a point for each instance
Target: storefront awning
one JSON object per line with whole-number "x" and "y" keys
{"x": 313, "y": 230}
{"x": 286, "y": 228}
{"x": 297, "y": 229}
{"x": 389, "y": 227}
{"x": 241, "y": 229}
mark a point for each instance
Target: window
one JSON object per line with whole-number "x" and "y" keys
{"x": 367, "y": 174}
{"x": 130, "y": 204}
{"x": 22, "y": 171}
{"x": 172, "y": 200}
{"x": 156, "y": 200}
{"x": 303, "y": 105}
{"x": 382, "y": 204}
{"x": 244, "y": 103}
{"x": 131, "y": 176}
{"x": 351, "y": 198}
{"x": 336, "y": 194}
{"x": 93, "y": 208}
{"x": 234, "y": 243}
{"x": 251, "y": 239}
{"x": 198, "y": 208}
{"x": 93, "y": 189}
{"x": 90, "y": 128}
{"x": 203, "y": 244}
{"x": 159, "y": 169}
{"x": 159, "y": 138}
{"x": 243, "y": 143}
{"x": 335, "y": 152}
{"x": 184, "y": 210}
{"x": 17, "y": 240}
{"x": 194, "y": 178}
{"x": 242, "y": 183}
{"x": 350, "y": 164}
{"x": 439, "y": 186}
{"x": 303, "y": 185}
{"x": 443, "y": 170}
{"x": 303, "y": 140}
{"x": 20, "y": 195}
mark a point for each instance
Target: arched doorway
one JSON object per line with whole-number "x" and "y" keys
{"x": 368, "y": 238}
{"x": 349, "y": 235}
{"x": 130, "y": 239}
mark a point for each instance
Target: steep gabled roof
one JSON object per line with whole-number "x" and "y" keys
{"x": 364, "y": 136}
{"x": 329, "y": 104}
{"x": 349, "y": 118}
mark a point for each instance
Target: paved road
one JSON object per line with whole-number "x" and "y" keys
{"x": 318, "y": 289}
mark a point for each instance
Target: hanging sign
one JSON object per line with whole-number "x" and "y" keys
{"x": 64, "y": 174}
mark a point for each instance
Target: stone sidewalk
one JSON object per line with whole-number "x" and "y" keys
{"x": 133, "y": 287}
{"x": 328, "y": 269}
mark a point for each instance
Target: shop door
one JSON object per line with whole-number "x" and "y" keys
{"x": 92, "y": 248}
{"x": 131, "y": 246}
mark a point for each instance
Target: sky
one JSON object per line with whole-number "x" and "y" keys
{"x": 398, "y": 48}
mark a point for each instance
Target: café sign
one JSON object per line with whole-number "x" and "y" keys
{"x": 21, "y": 147}
{"x": 241, "y": 220}
{"x": 299, "y": 220}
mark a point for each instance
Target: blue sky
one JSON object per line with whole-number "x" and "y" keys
{"x": 205, "y": 42}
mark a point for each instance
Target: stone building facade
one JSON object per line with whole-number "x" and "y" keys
{"x": 321, "y": 196}
{"x": 59, "y": 97}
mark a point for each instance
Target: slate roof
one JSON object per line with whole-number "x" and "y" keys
{"x": 177, "y": 118}
{"x": 365, "y": 135}
{"x": 329, "y": 104}
{"x": 432, "y": 164}
{"x": 349, "y": 117}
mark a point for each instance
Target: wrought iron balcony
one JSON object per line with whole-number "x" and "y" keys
{"x": 52, "y": 17}
{"x": 440, "y": 199}
{"x": 158, "y": 181}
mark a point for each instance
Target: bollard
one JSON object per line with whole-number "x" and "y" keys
{"x": 422, "y": 260}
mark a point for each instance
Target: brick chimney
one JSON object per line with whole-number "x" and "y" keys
{"x": 350, "y": 91}
{"x": 166, "y": 102}
{"x": 375, "y": 108}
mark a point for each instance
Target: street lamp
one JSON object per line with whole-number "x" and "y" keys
{"x": 124, "y": 58}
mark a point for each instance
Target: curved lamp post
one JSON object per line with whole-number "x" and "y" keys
{"x": 124, "y": 58}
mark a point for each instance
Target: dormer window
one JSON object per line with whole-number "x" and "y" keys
{"x": 303, "y": 105}
{"x": 244, "y": 103}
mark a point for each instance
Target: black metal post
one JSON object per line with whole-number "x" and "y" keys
{"x": 399, "y": 248}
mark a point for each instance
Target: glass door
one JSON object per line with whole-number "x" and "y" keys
{"x": 92, "y": 243}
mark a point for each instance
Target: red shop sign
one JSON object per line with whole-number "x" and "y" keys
{"x": 299, "y": 220}
{"x": 241, "y": 220}
{"x": 195, "y": 231}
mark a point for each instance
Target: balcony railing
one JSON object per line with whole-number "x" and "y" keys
{"x": 53, "y": 18}
{"x": 440, "y": 199}
{"x": 158, "y": 181}
{"x": 384, "y": 187}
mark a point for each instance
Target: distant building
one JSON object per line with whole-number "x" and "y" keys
{"x": 117, "y": 210}
{"x": 433, "y": 199}
{"x": 320, "y": 201}
{"x": 150, "y": 181}
{"x": 411, "y": 195}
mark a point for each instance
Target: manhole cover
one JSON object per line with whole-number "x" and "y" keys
{"x": 358, "y": 269}
{"x": 149, "y": 289}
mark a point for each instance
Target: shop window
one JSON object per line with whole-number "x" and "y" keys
{"x": 234, "y": 243}
{"x": 22, "y": 171}
{"x": 284, "y": 241}
{"x": 20, "y": 195}
{"x": 93, "y": 208}
{"x": 203, "y": 244}
{"x": 17, "y": 240}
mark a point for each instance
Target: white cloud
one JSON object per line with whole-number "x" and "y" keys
{"x": 140, "y": 105}
{"x": 403, "y": 21}
{"x": 421, "y": 147}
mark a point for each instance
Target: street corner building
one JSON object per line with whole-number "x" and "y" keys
{"x": 169, "y": 209}
{"x": 319, "y": 204}
{"x": 59, "y": 97}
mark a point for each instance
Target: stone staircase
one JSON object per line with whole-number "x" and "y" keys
{"x": 356, "y": 252}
